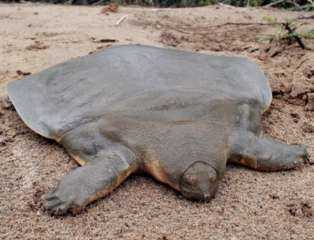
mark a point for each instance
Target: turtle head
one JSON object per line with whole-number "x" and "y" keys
{"x": 199, "y": 181}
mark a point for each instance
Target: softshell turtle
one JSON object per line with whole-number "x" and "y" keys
{"x": 177, "y": 115}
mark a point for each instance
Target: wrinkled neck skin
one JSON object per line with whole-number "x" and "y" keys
{"x": 248, "y": 118}
{"x": 247, "y": 122}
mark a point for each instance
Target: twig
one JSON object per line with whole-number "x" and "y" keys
{"x": 241, "y": 24}
{"x": 234, "y": 24}
{"x": 274, "y": 3}
{"x": 121, "y": 20}
{"x": 301, "y": 63}
{"x": 100, "y": 2}
{"x": 297, "y": 6}
{"x": 305, "y": 17}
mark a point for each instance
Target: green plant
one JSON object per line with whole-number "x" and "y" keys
{"x": 308, "y": 34}
{"x": 286, "y": 32}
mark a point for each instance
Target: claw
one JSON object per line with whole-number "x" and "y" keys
{"x": 52, "y": 204}
{"x": 61, "y": 209}
{"x": 305, "y": 154}
{"x": 307, "y": 157}
{"x": 51, "y": 195}
{"x": 57, "y": 205}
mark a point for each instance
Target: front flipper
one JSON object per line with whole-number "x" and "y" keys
{"x": 108, "y": 164}
{"x": 264, "y": 153}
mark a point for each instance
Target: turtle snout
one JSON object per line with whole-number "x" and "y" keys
{"x": 199, "y": 182}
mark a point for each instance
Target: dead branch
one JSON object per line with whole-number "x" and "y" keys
{"x": 305, "y": 17}
{"x": 292, "y": 32}
{"x": 274, "y": 3}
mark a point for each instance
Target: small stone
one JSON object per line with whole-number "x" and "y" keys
{"x": 310, "y": 102}
{"x": 308, "y": 72}
{"x": 274, "y": 196}
{"x": 293, "y": 209}
{"x": 295, "y": 117}
{"x": 308, "y": 127}
{"x": 23, "y": 73}
{"x": 307, "y": 209}
{"x": 298, "y": 90}
{"x": 3, "y": 141}
{"x": 5, "y": 103}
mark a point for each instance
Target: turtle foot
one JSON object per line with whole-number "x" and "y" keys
{"x": 283, "y": 157}
{"x": 63, "y": 200}
{"x": 55, "y": 205}
{"x": 72, "y": 194}
{"x": 58, "y": 204}
{"x": 267, "y": 154}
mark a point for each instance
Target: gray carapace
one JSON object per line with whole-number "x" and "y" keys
{"x": 179, "y": 116}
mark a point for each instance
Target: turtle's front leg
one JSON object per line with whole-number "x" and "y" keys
{"x": 264, "y": 153}
{"x": 98, "y": 177}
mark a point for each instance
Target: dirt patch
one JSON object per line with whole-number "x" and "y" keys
{"x": 37, "y": 45}
{"x": 248, "y": 205}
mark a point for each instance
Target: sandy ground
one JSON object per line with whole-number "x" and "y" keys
{"x": 248, "y": 205}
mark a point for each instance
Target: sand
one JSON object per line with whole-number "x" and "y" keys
{"x": 248, "y": 205}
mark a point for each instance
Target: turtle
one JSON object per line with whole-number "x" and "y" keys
{"x": 179, "y": 116}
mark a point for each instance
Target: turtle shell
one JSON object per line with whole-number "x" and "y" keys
{"x": 141, "y": 82}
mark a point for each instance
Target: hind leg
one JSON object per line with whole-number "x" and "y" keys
{"x": 261, "y": 153}
{"x": 264, "y": 153}
{"x": 106, "y": 166}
